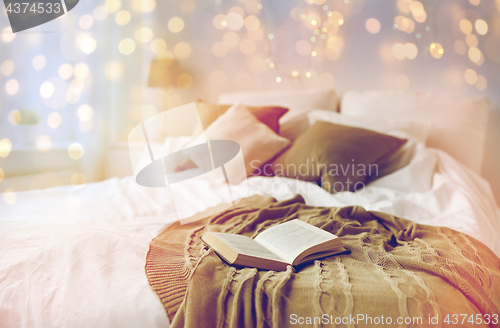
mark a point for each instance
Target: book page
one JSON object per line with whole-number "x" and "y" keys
{"x": 247, "y": 246}
{"x": 291, "y": 238}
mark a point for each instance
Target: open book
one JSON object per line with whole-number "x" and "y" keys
{"x": 290, "y": 243}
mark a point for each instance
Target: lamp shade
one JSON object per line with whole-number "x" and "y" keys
{"x": 163, "y": 73}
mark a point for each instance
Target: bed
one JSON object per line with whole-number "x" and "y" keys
{"x": 76, "y": 257}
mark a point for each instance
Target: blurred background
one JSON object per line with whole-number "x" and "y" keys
{"x": 73, "y": 88}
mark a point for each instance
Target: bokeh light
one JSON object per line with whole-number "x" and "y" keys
{"x": 85, "y": 113}
{"x": 81, "y": 70}
{"x": 436, "y": 50}
{"x": 100, "y": 13}
{"x": 7, "y": 67}
{"x": 9, "y": 197}
{"x": 43, "y": 143}
{"x": 470, "y": 76}
{"x": 481, "y": 27}
{"x": 481, "y": 82}
{"x": 143, "y": 34}
{"x": 78, "y": 180}
{"x": 88, "y": 45}
{"x": 2, "y": 174}
{"x": 126, "y": 46}
{"x": 471, "y": 40}
{"x": 122, "y": 17}
{"x": 404, "y": 24}
{"x": 7, "y": 35}
{"x": 75, "y": 151}
{"x": 185, "y": 81}
{"x": 113, "y": 70}
{"x": 54, "y": 120}
{"x": 85, "y": 22}
{"x": 460, "y": 47}
{"x": 39, "y": 62}
{"x": 12, "y": 87}
{"x": 158, "y": 46}
{"x": 231, "y": 39}
{"x": 252, "y": 23}
{"x": 112, "y": 5}
{"x": 372, "y": 25}
{"x": 247, "y": 46}
{"x": 145, "y": 6}
{"x": 65, "y": 71}
{"x": 474, "y": 54}
{"x": 219, "y": 49}
{"x": 234, "y": 21}
{"x": 465, "y": 26}
{"x": 182, "y": 50}
{"x": 219, "y": 22}
{"x": 46, "y": 89}
{"x": 14, "y": 117}
{"x": 5, "y": 147}
{"x": 175, "y": 24}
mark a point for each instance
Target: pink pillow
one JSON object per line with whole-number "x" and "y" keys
{"x": 257, "y": 141}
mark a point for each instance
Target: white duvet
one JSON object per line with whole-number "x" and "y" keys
{"x": 75, "y": 258}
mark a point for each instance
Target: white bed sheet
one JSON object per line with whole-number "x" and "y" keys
{"x": 75, "y": 258}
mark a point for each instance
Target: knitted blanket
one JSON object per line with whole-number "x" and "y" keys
{"x": 398, "y": 273}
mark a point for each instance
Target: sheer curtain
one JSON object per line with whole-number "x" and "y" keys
{"x": 84, "y": 75}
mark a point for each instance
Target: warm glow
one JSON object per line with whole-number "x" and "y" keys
{"x": 143, "y": 34}
{"x": 481, "y": 82}
{"x": 470, "y": 76}
{"x": 9, "y": 197}
{"x": 185, "y": 81}
{"x": 5, "y": 147}
{"x": 410, "y": 50}
{"x": 436, "y": 50}
{"x": 7, "y": 67}
{"x": 219, "y": 22}
{"x": 88, "y": 45}
{"x": 247, "y": 46}
{"x": 65, "y": 71}
{"x": 86, "y": 22}
{"x": 7, "y": 35}
{"x": 113, "y": 70}
{"x": 145, "y": 6}
{"x": 481, "y": 27}
{"x": 475, "y": 2}
{"x": 158, "y": 46}
{"x": 112, "y": 5}
{"x": 2, "y": 174}
{"x": 465, "y": 26}
{"x": 47, "y": 90}
{"x": 175, "y": 24}
{"x": 219, "y": 49}
{"x": 75, "y": 151}
{"x": 39, "y": 62}
{"x": 14, "y": 117}
{"x": 78, "y": 180}
{"x": 85, "y": 113}
{"x": 460, "y": 47}
{"x": 217, "y": 79}
{"x": 404, "y": 24}
{"x": 182, "y": 50}
{"x": 81, "y": 70}
{"x": 372, "y": 25}
{"x": 418, "y": 11}
{"x": 122, "y": 17}
{"x": 474, "y": 54}
{"x": 234, "y": 21}
{"x": 100, "y": 13}
{"x": 303, "y": 47}
{"x": 126, "y": 46}
{"x": 12, "y": 87}
{"x": 54, "y": 120}
{"x": 231, "y": 39}
{"x": 43, "y": 143}
{"x": 252, "y": 23}
{"x": 471, "y": 40}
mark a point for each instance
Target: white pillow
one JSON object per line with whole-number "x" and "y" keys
{"x": 299, "y": 103}
{"x": 458, "y": 123}
{"x": 398, "y": 128}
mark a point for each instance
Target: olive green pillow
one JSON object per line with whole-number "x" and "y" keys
{"x": 337, "y": 157}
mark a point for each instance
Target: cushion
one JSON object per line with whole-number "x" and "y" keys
{"x": 299, "y": 103}
{"x": 458, "y": 123}
{"x": 208, "y": 113}
{"x": 338, "y": 157}
{"x": 257, "y": 141}
{"x": 418, "y": 131}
